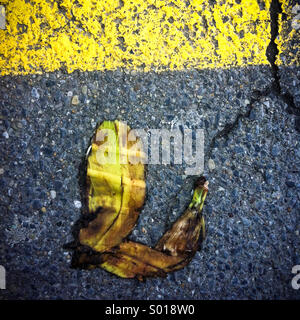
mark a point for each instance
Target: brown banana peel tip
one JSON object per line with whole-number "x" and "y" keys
{"x": 116, "y": 193}
{"x": 200, "y": 182}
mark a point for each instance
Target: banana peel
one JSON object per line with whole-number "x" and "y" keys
{"x": 116, "y": 193}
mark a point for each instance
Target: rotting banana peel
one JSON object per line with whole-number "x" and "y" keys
{"x": 116, "y": 192}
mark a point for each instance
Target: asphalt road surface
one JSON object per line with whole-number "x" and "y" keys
{"x": 250, "y": 117}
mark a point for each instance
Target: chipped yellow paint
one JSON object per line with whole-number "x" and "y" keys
{"x": 46, "y": 35}
{"x": 288, "y": 42}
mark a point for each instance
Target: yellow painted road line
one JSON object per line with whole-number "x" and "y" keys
{"x": 46, "y": 35}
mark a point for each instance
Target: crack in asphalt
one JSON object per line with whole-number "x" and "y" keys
{"x": 272, "y": 54}
{"x": 272, "y": 49}
{"x": 229, "y": 127}
{"x": 275, "y": 88}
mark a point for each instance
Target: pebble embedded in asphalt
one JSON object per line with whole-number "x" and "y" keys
{"x": 211, "y": 164}
{"x": 77, "y": 204}
{"x": 53, "y": 194}
{"x": 75, "y": 100}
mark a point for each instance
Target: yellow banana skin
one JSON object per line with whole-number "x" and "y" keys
{"x": 116, "y": 192}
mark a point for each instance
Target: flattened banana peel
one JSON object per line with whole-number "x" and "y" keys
{"x": 116, "y": 193}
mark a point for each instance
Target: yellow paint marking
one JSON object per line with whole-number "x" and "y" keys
{"x": 46, "y": 35}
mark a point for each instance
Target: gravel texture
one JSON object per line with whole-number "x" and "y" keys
{"x": 252, "y": 160}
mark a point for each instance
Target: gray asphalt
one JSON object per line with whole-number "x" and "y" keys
{"x": 252, "y": 158}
